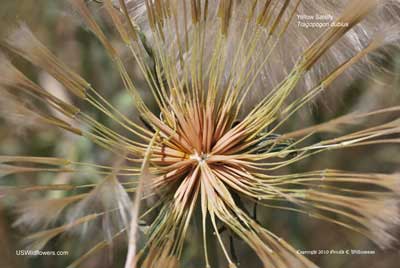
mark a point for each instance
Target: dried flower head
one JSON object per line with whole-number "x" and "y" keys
{"x": 202, "y": 61}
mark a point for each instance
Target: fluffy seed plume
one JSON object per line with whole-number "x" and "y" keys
{"x": 203, "y": 155}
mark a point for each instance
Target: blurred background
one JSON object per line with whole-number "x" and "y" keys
{"x": 56, "y": 25}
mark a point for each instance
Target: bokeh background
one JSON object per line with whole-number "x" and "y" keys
{"x": 63, "y": 32}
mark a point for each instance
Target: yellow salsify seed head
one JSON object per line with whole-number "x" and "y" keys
{"x": 202, "y": 156}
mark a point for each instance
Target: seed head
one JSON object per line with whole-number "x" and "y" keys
{"x": 202, "y": 154}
